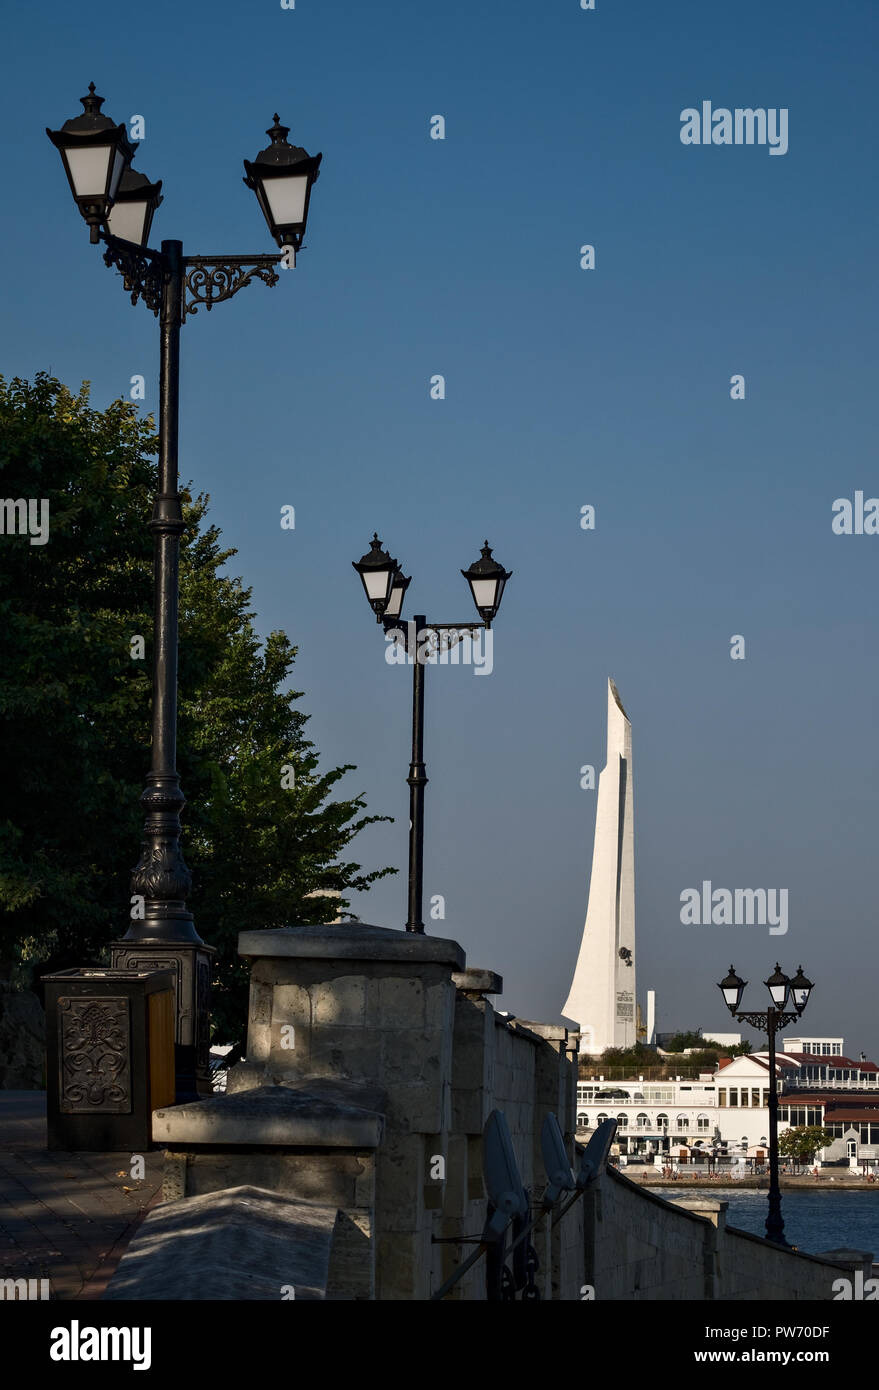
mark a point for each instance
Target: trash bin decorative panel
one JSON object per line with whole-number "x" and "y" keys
{"x": 94, "y": 1056}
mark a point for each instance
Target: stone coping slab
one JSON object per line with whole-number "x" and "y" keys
{"x": 318, "y": 1113}
{"x": 476, "y": 980}
{"x": 244, "y": 1243}
{"x": 550, "y": 1032}
{"x": 350, "y": 941}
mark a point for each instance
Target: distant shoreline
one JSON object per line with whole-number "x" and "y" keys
{"x": 786, "y": 1183}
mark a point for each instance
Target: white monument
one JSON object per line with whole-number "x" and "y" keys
{"x": 602, "y": 997}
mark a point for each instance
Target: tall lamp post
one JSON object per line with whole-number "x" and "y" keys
{"x": 118, "y": 204}
{"x": 385, "y": 586}
{"x": 782, "y": 991}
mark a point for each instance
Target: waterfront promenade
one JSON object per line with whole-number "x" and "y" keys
{"x": 65, "y": 1217}
{"x": 793, "y": 1182}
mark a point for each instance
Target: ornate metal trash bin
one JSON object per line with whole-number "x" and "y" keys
{"x": 109, "y": 1056}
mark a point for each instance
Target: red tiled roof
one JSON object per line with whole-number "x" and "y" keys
{"x": 782, "y": 1059}
{"x": 829, "y": 1099}
{"x": 810, "y": 1058}
{"x": 852, "y": 1116}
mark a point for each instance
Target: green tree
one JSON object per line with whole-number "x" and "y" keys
{"x": 636, "y": 1055}
{"x": 803, "y": 1142}
{"x": 75, "y": 713}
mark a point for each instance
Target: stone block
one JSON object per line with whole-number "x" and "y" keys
{"x": 173, "y": 1177}
{"x": 350, "y": 941}
{"x": 397, "y": 1271}
{"x": 244, "y": 1244}
{"x": 351, "y": 1053}
{"x": 470, "y": 1110}
{"x": 329, "y": 1178}
{"x": 290, "y": 1004}
{"x": 351, "y": 1275}
{"x": 340, "y": 1002}
{"x": 476, "y": 980}
{"x": 321, "y": 1115}
{"x": 439, "y": 1005}
{"x": 457, "y": 1196}
{"x": 401, "y": 1002}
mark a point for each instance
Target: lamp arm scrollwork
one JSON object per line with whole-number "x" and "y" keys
{"x": 143, "y": 271}
{"x": 208, "y": 280}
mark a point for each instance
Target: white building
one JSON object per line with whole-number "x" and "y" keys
{"x": 730, "y": 1107}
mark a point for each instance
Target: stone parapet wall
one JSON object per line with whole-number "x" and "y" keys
{"x": 640, "y": 1246}
{"x": 374, "y": 1059}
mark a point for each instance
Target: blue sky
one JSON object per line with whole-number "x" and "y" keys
{"x": 564, "y": 387}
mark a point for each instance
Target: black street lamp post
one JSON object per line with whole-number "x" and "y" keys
{"x": 118, "y": 204}
{"x": 385, "y": 586}
{"x": 782, "y": 991}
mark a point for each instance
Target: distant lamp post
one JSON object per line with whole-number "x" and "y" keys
{"x": 377, "y": 573}
{"x": 782, "y": 991}
{"x": 282, "y": 177}
{"x": 385, "y": 587}
{"x": 486, "y": 579}
{"x": 119, "y": 204}
{"x": 96, "y": 153}
{"x": 732, "y": 988}
{"x": 800, "y": 989}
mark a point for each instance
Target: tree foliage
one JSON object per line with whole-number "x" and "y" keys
{"x": 803, "y": 1142}
{"x": 75, "y": 712}
{"x": 679, "y": 1042}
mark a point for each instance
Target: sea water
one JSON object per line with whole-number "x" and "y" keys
{"x": 813, "y": 1221}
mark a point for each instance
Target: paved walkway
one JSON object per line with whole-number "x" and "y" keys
{"x": 65, "y": 1217}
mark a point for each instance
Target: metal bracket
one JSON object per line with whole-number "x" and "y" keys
{"x": 761, "y": 1020}
{"x": 143, "y": 271}
{"x": 208, "y": 280}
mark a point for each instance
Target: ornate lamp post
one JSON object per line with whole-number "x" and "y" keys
{"x": 385, "y": 587}
{"x": 118, "y": 204}
{"x": 781, "y": 991}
